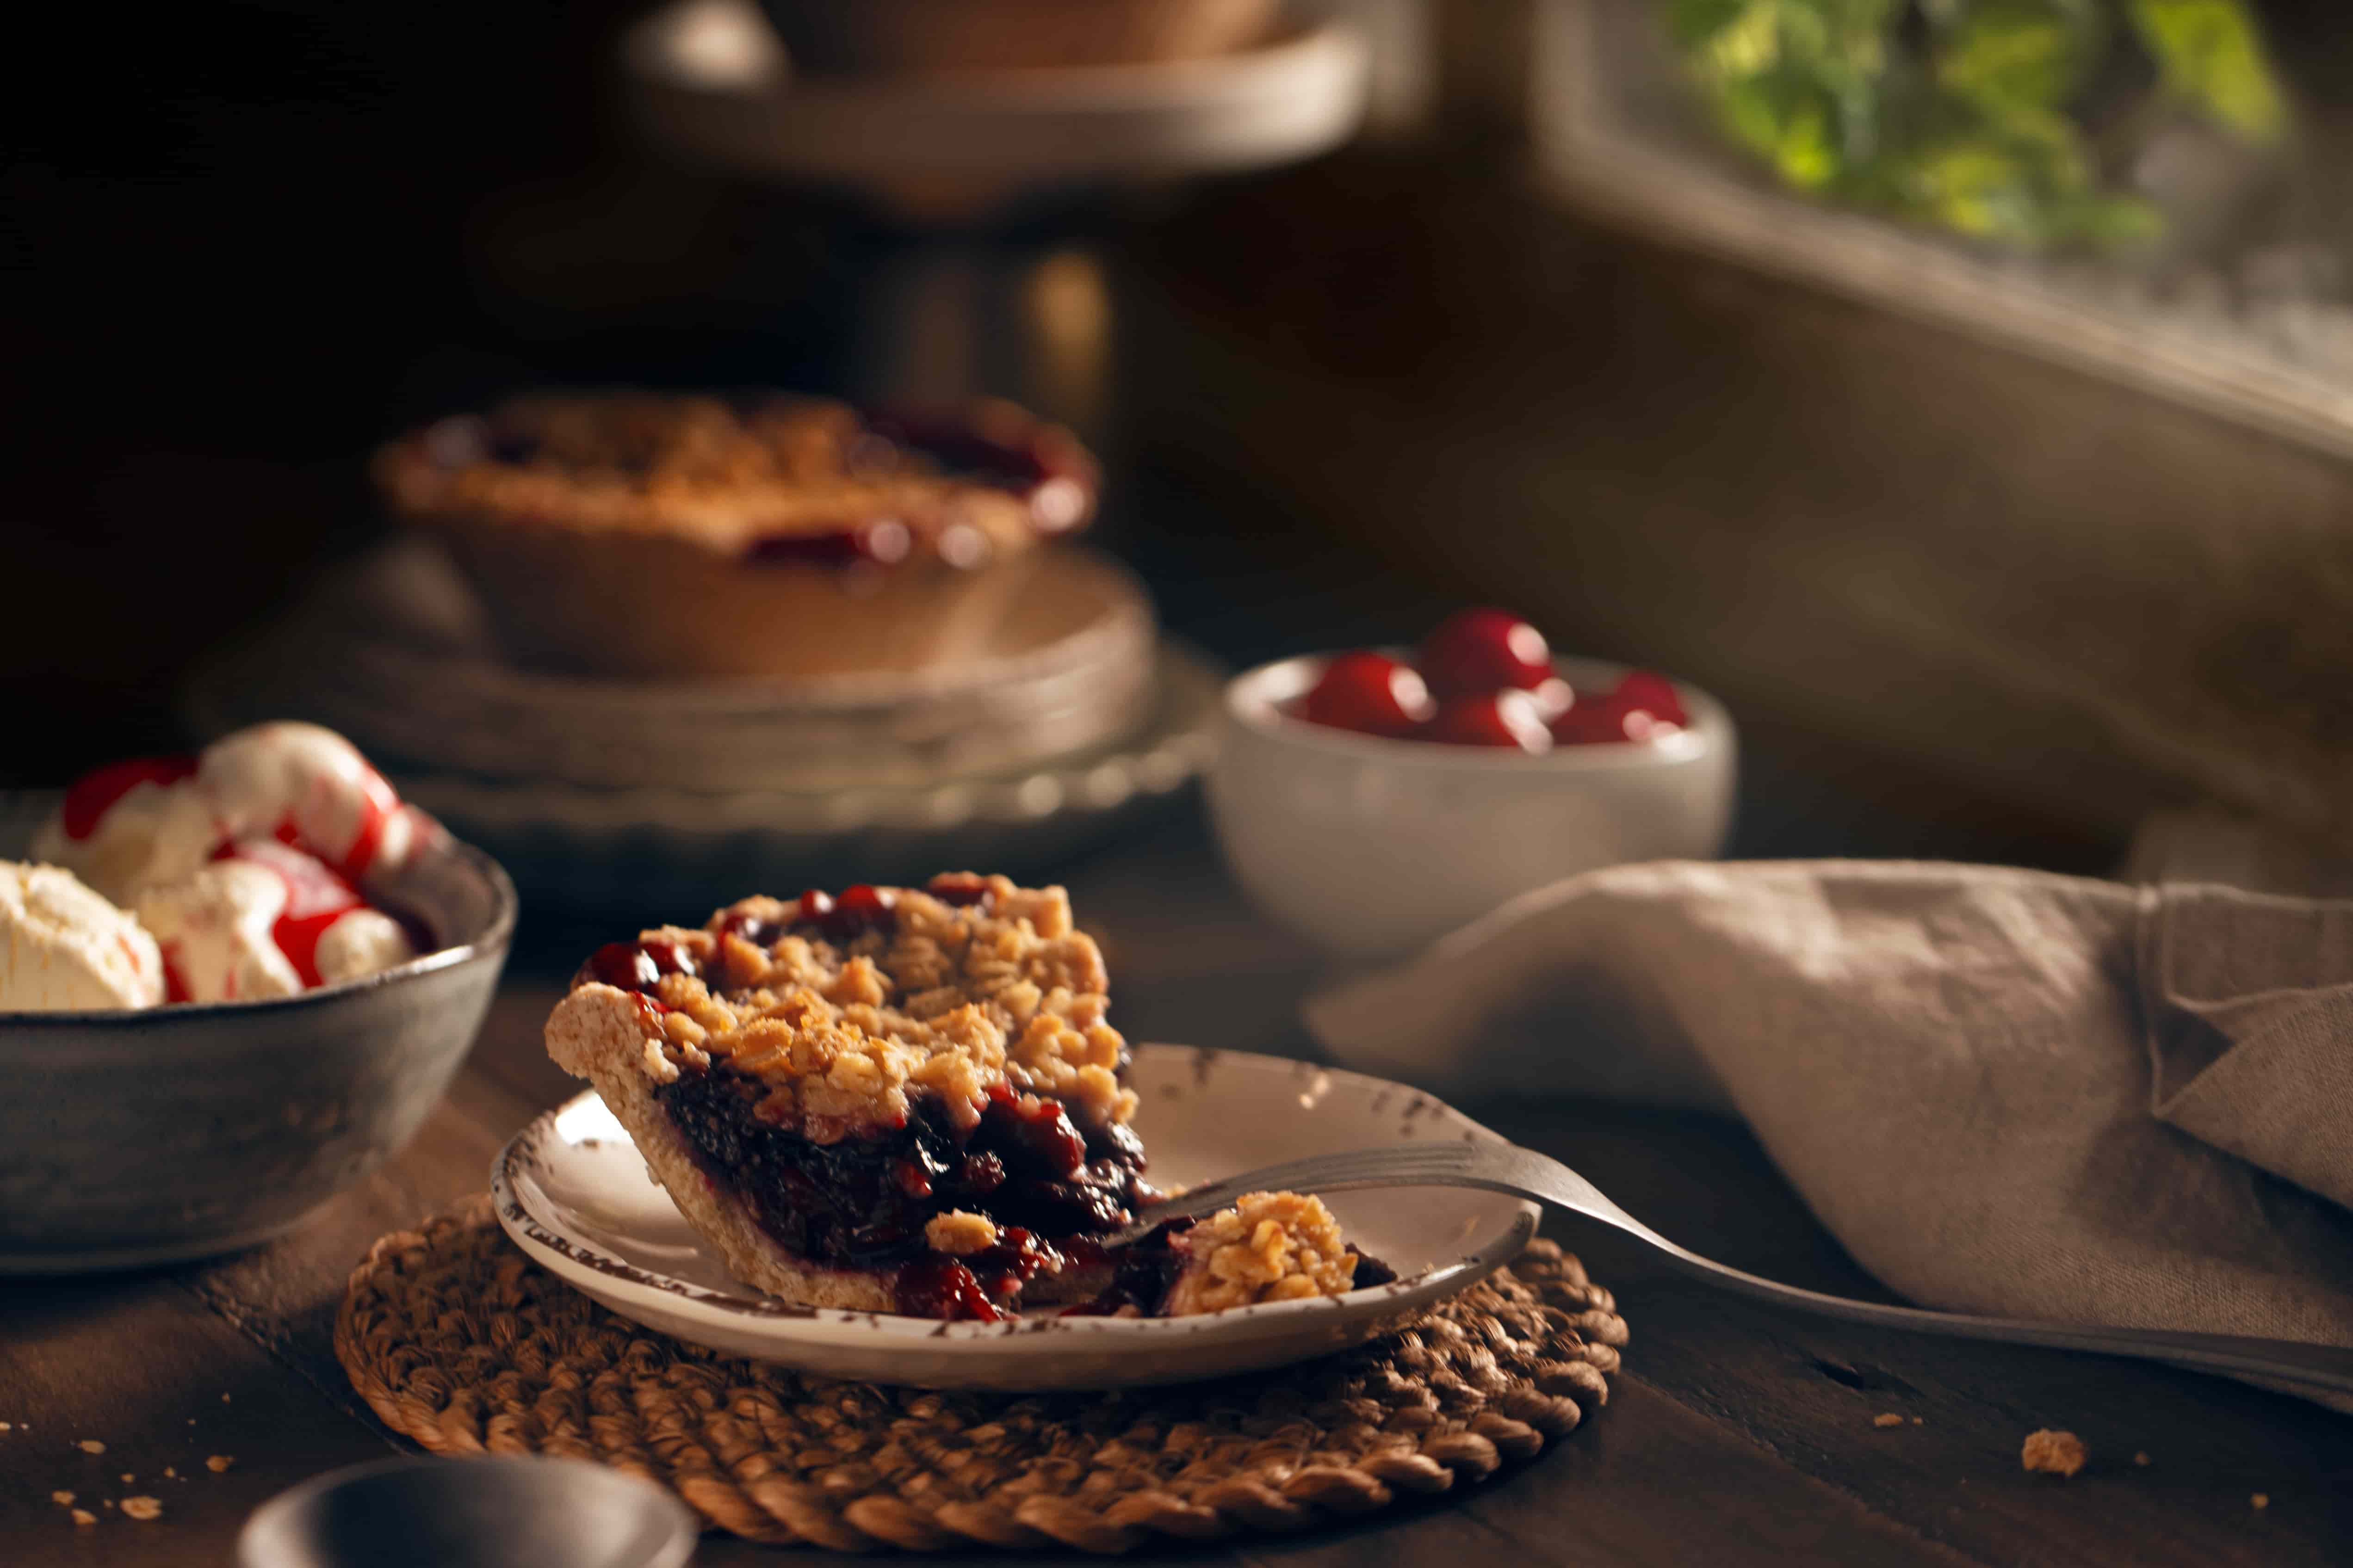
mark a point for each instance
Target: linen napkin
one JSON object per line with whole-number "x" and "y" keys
{"x": 2005, "y": 1091}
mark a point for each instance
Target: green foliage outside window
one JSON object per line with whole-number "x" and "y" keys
{"x": 1996, "y": 119}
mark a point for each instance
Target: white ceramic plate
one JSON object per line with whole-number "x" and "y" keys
{"x": 571, "y": 1192}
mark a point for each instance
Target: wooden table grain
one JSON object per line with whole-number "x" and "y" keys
{"x": 1737, "y": 1434}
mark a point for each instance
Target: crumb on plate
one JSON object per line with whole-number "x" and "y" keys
{"x": 2054, "y": 1453}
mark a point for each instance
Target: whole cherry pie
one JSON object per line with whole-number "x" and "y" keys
{"x": 671, "y": 534}
{"x": 909, "y": 1100}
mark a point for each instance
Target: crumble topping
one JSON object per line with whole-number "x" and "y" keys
{"x": 725, "y": 473}
{"x": 1269, "y": 1247}
{"x": 960, "y": 1232}
{"x": 839, "y": 1017}
{"x": 2055, "y": 1453}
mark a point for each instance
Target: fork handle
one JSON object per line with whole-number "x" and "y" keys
{"x": 2294, "y": 1363}
{"x": 2287, "y": 1363}
{"x": 1499, "y": 1167}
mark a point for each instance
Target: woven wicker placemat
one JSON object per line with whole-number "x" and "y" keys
{"x": 460, "y": 1342}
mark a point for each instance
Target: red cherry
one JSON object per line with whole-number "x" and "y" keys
{"x": 1370, "y": 693}
{"x": 858, "y": 909}
{"x": 863, "y": 903}
{"x": 1596, "y": 722}
{"x": 1608, "y": 721}
{"x": 1653, "y": 694}
{"x": 1491, "y": 719}
{"x": 1484, "y": 650}
{"x": 963, "y": 889}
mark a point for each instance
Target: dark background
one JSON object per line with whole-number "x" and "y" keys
{"x": 254, "y": 250}
{"x": 270, "y": 236}
{"x": 244, "y": 242}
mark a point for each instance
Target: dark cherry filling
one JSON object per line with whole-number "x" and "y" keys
{"x": 859, "y": 909}
{"x": 753, "y": 929}
{"x": 838, "y": 919}
{"x": 1038, "y": 466}
{"x": 636, "y": 965}
{"x": 963, "y": 889}
{"x": 879, "y": 541}
{"x": 1146, "y": 1268}
{"x": 973, "y": 1286}
{"x": 863, "y": 1202}
{"x": 1054, "y": 483}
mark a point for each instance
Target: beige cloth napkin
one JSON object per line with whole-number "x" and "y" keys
{"x": 2004, "y": 1091}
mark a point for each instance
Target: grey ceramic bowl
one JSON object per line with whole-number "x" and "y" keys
{"x": 138, "y": 1137}
{"x": 505, "y": 1513}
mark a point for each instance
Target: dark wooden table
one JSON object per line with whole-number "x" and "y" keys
{"x": 1737, "y": 1434}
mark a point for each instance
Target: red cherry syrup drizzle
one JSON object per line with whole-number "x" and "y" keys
{"x": 378, "y": 805}
{"x": 95, "y": 792}
{"x": 316, "y": 898}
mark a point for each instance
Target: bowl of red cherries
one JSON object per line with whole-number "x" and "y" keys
{"x": 1374, "y": 799}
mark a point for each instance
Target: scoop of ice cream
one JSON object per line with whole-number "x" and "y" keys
{"x": 216, "y": 929}
{"x": 311, "y": 786}
{"x": 360, "y": 943}
{"x": 154, "y": 822}
{"x": 267, "y": 920}
{"x": 64, "y": 947}
{"x": 115, "y": 822}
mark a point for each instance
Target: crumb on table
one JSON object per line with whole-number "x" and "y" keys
{"x": 2261, "y": 1500}
{"x": 1887, "y": 1418}
{"x": 2054, "y": 1453}
{"x": 83, "y": 1516}
{"x": 143, "y": 1508}
{"x": 219, "y": 1463}
{"x": 90, "y": 1445}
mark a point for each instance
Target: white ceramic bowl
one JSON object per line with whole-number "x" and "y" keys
{"x": 1372, "y": 847}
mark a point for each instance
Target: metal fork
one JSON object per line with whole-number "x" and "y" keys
{"x": 1499, "y": 1167}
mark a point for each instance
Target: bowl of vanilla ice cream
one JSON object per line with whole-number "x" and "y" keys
{"x": 231, "y": 983}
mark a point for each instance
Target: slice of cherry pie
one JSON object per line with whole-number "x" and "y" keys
{"x": 908, "y": 1101}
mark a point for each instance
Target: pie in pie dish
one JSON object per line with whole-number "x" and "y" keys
{"x": 639, "y": 533}
{"x": 910, "y": 1100}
